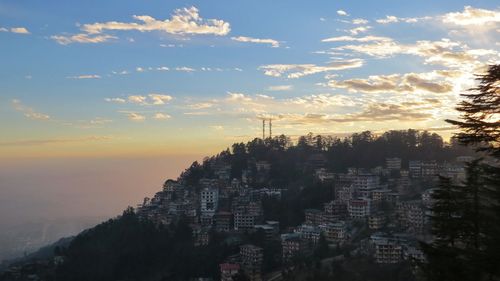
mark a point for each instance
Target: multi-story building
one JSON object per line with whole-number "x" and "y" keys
{"x": 209, "y": 201}
{"x": 376, "y": 221}
{"x": 244, "y": 221}
{"x": 270, "y": 228}
{"x": 251, "y": 261}
{"x": 359, "y": 208}
{"x": 223, "y": 221}
{"x": 313, "y": 216}
{"x": 309, "y": 233}
{"x": 334, "y": 232}
{"x": 430, "y": 169}
{"x": 411, "y": 215}
{"x": 393, "y": 163}
{"x": 228, "y": 271}
{"x": 388, "y": 250}
{"x": 292, "y": 244}
{"x": 364, "y": 184}
{"x": 415, "y": 168}
{"x": 335, "y": 210}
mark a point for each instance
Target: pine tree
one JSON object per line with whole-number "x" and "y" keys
{"x": 480, "y": 128}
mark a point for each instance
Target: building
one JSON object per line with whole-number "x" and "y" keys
{"x": 430, "y": 169}
{"x": 376, "y": 221}
{"x": 309, "y": 233}
{"x": 270, "y": 228}
{"x": 313, "y": 216}
{"x": 228, "y": 270}
{"x": 415, "y": 168}
{"x": 291, "y": 245}
{"x": 364, "y": 184}
{"x": 244, "y": 221}
{"x": 335, "y": 210}
{"x": 393, "y": 163}
{"x": 359, "y": 208}
{"x": 223, "y": 221}
{"x": 251, "y": 261}
{"x": 411, "y": 215}
{"x": 209, "y": 201}
{"x": 334, "y": 232}
{"x": 388, "y": 250}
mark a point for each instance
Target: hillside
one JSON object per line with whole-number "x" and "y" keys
{"x": 201, "y": 220}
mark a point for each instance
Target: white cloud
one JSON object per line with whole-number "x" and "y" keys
{"x": 82, "y": 38}
{"x": 28, "y": 111}
{"x": 19, "y": 30}
{"x": 185, "y": 21}
{"x": 132, "y": 116}
{"x": 359, "y": 21}
{"x": 280, "y": 88}
{"x": 394, "y": 19}
{"x": 137, "y": 99}
{"x": 3, "y": 29}
{"x": 217, "y": 127}
{"x": 161, "y": 116}
{"x": 272, "y": 42}
{"x": 201, "y": 105}
{"x": 473, "y": 17}
{"x": 342, "y": 13}
{"x": 408, "y": 83}
{"x": 368, "y": 38}
{"x": 117, "y": 100}
{"x": 359, "y": 29}
{"x": 160, "y": 99}
{"x": 185, "y": 69}
{"x": 85, "y": 76}
{"x": 300, "y": 70}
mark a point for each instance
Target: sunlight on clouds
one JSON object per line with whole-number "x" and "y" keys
{"x": 28, "y": 111}
{"x": 185, "y": 21}
{"x": 299, "y": 70}
{"x": 272, "y": 42}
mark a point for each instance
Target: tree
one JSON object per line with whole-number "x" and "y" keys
{"x": 469, "y": 249}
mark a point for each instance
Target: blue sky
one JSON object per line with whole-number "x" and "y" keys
{"x": 83, "y": 78}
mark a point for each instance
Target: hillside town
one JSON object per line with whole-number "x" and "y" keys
{"x": 381, "y": 213}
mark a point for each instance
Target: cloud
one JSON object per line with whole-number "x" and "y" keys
{"x": 368, "y": 38}
{"x": 395, "y": 83}
{"x": 82, "y": 38}
{"x": 300, "y": 70}
{"x": 359, "y": 29}
{"x": 473, "y": 17}
{"x": 161, "y": 116}
{"x": 116, "y": 100}
{"x": 217, "y": 127}
{"x": 239, "y": 97}
{"x": 280, "y": 88}
{"x": 185, "y": 69}
{"x": 359, "y": 21}
{"x": 444, "y": 52}
{"x": 201, "y": 105}
{"x": 394, "y": 19}
{"x": 150, "y": 99}
{"x": 35, "y": 142}
{"x": 159, "y": 99}
{"x": 86, "y": 76}
{"x": 320, "y": 101}
{"x": 185, "y": 21}
{"x": 28, "y": 111}
{"x": 3, "y": 29}
{"x": 342, "y": 13}
{"x": 19, "y": 30}
{"x": 272, "y": 42}
{"x": 132, "y": 116}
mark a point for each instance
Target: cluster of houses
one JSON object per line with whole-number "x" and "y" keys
{"x": 390, "y": 203}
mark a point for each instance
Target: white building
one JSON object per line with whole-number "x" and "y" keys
{"x": 209, "y": 201}
{"x": 364, "y": 184}
{"x": 393, "y": 163}
{"x": 359, "y": 208}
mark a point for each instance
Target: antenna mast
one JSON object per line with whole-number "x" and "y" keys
{"x": 263, "y": 129}
{"x": 270, "y": 128}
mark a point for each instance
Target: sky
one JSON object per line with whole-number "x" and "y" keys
{"x": 124, "y": 82}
